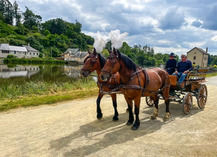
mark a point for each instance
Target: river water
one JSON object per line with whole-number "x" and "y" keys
{"x": 18, "y": 74}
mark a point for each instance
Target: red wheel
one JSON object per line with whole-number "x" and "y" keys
{"x": 187, "y": 103}
{"x": 202, "y": 96}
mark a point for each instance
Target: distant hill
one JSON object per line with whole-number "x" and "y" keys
{"x": 55, "y": 35}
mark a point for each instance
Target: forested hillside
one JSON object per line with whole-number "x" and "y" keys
{"x": 56, "y": 35}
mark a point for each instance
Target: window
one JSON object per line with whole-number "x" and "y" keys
{"x": 15, "y": 52}
{"x": 30, "y": 53}
{"x": 193, "y": 62}
{"x": 33, "y": 53}
{"x": 4, "y": 51}
{"x": 194, "y": 57}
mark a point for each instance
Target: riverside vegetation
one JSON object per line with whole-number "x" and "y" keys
{"x": 38, "y": 92}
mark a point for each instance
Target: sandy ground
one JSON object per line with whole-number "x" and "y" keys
{"x": 70, "y": 129}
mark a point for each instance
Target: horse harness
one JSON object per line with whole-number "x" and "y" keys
{"x": 127, "y": 86}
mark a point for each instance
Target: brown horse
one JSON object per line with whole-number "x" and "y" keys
{"x": 95, "y": 61}
{"x": 137, "y": 82}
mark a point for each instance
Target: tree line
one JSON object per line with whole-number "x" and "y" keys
{"x": 55, "y": 35}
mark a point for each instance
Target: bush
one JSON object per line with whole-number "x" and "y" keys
{"x": 11, "y": 56}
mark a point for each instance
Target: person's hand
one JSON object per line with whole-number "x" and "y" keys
{"x": 185, "y": 72}
{"x": 176, "y": 72}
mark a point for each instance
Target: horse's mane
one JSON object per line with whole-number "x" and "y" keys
{"x": 127, "y": 61}
{"x": 101, "y": 60}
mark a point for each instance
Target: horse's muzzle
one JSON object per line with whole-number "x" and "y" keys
{"x": 85, "y": 73}
{"x": 105, "y": 76}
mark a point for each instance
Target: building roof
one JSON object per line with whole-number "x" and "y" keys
{"x": 71, "y": 51}
{"x": 29, "y": 48}
{"x": 80, "y": 54}
{"x": 201, "y": 50}
{"x": 7, "y": 47}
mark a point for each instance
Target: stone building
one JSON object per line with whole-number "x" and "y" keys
{"x": 25, "y": 51}
{"x": 198, "y": 57}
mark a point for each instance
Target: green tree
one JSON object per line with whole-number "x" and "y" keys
{"x": 30, "y": 19}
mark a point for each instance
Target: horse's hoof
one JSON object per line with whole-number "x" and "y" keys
{"x": 153, "y": 117}
{"x": 115, "y": 118}
{"x": 166, "y": 119}
{"x": 129, "y": 123}
{"x": 99, "y": 116}
{"x": 135, "y": 126}
{"x": 167, "y": 116}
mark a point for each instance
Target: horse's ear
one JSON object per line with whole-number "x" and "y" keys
{"x": 94, "y": 51}
{"x": 89, "y": 52}
{"x": 109, "y": 51}
{"x": 114, "y": 50}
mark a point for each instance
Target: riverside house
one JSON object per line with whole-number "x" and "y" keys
{"x": 25, "y": 51}
{"x": 74, "y": 55}
{"x": 198, "y": 57}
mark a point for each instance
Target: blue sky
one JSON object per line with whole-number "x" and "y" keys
{"x": 166, "y": 25}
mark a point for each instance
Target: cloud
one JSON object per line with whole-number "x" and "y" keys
{"x": 173, "y": 19}
{"x": 168, "y": 26}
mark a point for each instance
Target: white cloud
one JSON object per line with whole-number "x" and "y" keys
{"x": 214, "y": 38}
{"x": 168, "y": 26}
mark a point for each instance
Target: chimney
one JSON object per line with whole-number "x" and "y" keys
{"x": 206, "y": 49}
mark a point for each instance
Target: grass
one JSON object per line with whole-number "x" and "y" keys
{"x": 37, "y": 93}
{"x": 211, "y": 74}
{"x": 46, "y": 99}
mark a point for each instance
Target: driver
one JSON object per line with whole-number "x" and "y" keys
{"x": 183, "y": 67}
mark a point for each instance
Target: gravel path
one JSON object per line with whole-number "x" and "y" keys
{"x": 70, "y": 129}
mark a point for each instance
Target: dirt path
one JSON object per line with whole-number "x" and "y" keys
{"x": 71, "y": 129}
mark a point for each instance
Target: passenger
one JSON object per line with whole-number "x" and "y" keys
{"x": 183, "y": 67}
{"x": 171, "y": 64}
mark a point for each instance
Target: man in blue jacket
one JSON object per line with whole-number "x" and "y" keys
{"x": 183, "y": 67}
{"x": 171, "y": 64}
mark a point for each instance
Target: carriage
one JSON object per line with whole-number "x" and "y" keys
{"x": 193, "y": 86}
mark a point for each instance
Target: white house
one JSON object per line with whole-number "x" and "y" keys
{"x": 25, "y": 51}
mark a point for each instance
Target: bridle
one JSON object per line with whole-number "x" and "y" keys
{"x": 112, "y": 57}
{"x": 92, "y": 62}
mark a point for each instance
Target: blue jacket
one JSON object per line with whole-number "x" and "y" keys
{"x": 183, "y": 66}
{"x": 170, "y": 66}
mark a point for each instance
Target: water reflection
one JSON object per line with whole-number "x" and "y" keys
{"x": 17, "y": 74}
{"x": 18, "y": 71}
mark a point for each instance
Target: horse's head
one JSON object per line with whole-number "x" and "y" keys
{"x": 91, "y": 63}
{"x": 111, "y": 66}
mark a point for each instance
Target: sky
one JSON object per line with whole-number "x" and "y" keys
{"x": 166, "y": 25}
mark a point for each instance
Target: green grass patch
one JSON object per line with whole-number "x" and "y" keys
{"x": 39, "y": 92}
{"x": 46, "y": 99}
{"x": 211, "y": 74}
{"x": 33, "y": 61}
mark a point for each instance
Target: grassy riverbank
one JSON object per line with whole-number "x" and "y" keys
{"x": 33, "y": 61}
{"x": 37, "y": 93}
{"x": 211, "y": 74}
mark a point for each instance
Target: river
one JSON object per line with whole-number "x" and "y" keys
{"x": 18, "y": 74}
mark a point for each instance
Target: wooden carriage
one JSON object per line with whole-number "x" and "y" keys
{"x": 193, "y": 86}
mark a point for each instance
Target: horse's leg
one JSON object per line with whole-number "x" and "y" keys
{"x": 99, "y": 112}
{"x": 115, "y": 118}
{"x": 167, "y": 102}
{"x": 130, "y": 104}
{"x": 156, "y": 101}
{"x": 137, "y": 121}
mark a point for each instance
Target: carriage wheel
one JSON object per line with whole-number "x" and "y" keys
{"x": 187, "y": 103}
{"x": 149, "y": 101}
{"x": 202, "y": 96}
